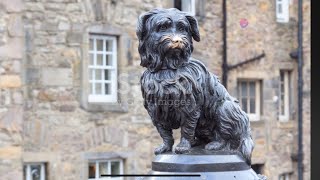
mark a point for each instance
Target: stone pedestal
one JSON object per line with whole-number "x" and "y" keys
{"x": 209, "y": 165}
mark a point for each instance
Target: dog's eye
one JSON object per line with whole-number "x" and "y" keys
{"x": 163, "y": 27}
{"x": 182, "y": 28}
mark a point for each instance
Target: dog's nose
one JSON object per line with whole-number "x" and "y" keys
{"x": 177, "y": 39}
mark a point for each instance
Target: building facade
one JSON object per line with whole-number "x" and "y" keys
{"x": 70, "y": 99}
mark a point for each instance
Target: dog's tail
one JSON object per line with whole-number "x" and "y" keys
{"x": 246, "y": 147}
{"x": 234, "y": 124}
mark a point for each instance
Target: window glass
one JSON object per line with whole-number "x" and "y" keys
{"x": 92, "y": 170}
{"x": 102, "y": 69}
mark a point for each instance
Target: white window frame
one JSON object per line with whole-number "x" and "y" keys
{"x": 287, "y": 78}
{"x": 189, "y": 6}
{"x": 252, "y": 116}
{"x": 28, "y": 170}
{"x": 283, "y": 6}
{"x": 284, "y": 176}
{"x": 100, "y": 98}
{"x": 97, "y": 173}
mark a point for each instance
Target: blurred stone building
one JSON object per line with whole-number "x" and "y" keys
{"x": 70, "y": 100}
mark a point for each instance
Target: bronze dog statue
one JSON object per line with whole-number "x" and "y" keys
{"x": 179, "y": 92}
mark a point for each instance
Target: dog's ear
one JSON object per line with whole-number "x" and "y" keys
{"x": 193, "y": 27}
{"x": 141, "y": 25}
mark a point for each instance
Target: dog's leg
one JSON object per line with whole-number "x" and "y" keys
{"x": 168, "y": 140}
{"x": 187, "y": 133}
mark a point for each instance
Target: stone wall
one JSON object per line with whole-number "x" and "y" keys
{"x": 306, "y": 89}
{"x": 11, "y": 87}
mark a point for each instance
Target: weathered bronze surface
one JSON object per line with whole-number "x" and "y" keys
{"x": 180, "y": 92}
{"x": 207, "y": 164}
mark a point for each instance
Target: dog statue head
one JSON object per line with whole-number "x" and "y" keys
{"x": 165, "y": 38}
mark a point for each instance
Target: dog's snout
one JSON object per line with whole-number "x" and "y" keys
{"x": 177, "y": 39}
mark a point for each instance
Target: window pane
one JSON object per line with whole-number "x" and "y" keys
{"x": 281, "y": 76}
{"x": 109, "y": 45}
{"x": 252, "y": 86}
{"x": 107, "y": 88}
{"x": 91, "y": 44}
{"x": 252, "y": 106}
{"x": 282, "y": 103}
{"x": 91, "y": 56}
{"x": 244, "y": 89}
{"x": 244, "y": 104}
{"x": 186, "y": 5}
{"x": 115, "y": 168}
{"x": 99, "y": 60}
{"x": 289, "y": 88}
{"x": 91, "y": 88}
{"x": 109, "y": 60}
{"x": 92, "y": 170}
{"x": 281, "y": 89}
{"x": 98, "y": 88}
{"x": 257, "y": 168}
{"x": 177, "y": 4}
{"x": 99, "y": 45}
{"x": 90, "y": 74}
{"x": 282, "y": 109}
{"x": 280, "y": 8}
{"x": 98, "y": 74}
{"x": 282, "y": 96}
{"x": 24, "y": 172}
{"x": 103, "y": 168}
{"x": 107, "y": 74}
{"x": 35, "y": 172}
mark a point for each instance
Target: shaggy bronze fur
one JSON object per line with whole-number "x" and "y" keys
{"x": 179, "y": 92}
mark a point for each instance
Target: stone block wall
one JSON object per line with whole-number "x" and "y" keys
{"x": 11, "y": 88}
{"x": 306, "y": 89}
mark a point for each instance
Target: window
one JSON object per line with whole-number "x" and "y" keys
{"x": 96, "y": 169}
{"x": 282, "y": 11}
{"x": 102, "y": 68}
{"x": 257, "y": 168}
{"x": 35, "y": 171}
{"x": 249, "y": 98}
{"x": 285, "y": 176}
{"x": 186, "y": 5}
{"x": 285, "y": 94}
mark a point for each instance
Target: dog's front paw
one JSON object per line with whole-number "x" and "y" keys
{"x": 215, "y": 145}
{"x": 183, "y": 147}
{"x": 162, "y": 149}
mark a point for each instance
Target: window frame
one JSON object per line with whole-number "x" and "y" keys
{"x": 282, "y": 17}
{"x": 97, "y": 173}
{"x": 192, "y": 4}
{"x": 257, "y": 115}
{"x": 27, "y": 170}
{"x": 284, "y": 176}
{"x": 287, "y": 95}
{"x": 187, "y": 3}
{"x": 103, "y": 98}
{"x": 257, "y": 168}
